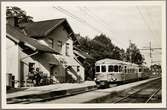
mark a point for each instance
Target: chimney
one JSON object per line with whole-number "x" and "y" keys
{"x": 13, "y": 21}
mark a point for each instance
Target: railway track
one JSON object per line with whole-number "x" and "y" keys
{"x": 143, "y": 94}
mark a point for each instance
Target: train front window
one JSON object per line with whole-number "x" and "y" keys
{"x": 103, "y": 68}
{"x": 110, "y": 68}
{"x": 115, "y": 68}
{"x": 97, "y": 68}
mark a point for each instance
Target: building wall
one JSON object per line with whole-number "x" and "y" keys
{"x": 80, "y": 72}
{"x": 12, "y": 60}
{"x": 59, "y": 34}
{"x": 59, "y": 74}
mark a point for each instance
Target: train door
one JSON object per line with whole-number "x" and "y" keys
{"x": 124, "y": 73}
{"x": 120, "y": 74}
{"x": 139, "y": 73}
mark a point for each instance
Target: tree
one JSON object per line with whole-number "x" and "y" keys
{"x": 133, "y": 54}
{"x": 156, "y": 68}
{"x": 101, "y": 47}
{"x": 19, "y": 13}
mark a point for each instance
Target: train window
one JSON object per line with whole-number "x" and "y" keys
{"x": 97, "y": 68}
{"x": 110, "y": 68}
{"x": 120, "y": 68}
{"x": 125, "y": 69}
{"x": 115, "y": 68}
{"x": 103, "y": 68}
{"x": 139, "y": 69}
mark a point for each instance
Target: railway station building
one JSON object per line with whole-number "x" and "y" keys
{"x": 46, "y": 45}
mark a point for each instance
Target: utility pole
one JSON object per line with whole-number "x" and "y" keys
{"x": 150, "y": 51}
{"x": 130, "y": 52}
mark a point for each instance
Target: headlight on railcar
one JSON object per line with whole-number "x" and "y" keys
{"x": 114, "y": 79}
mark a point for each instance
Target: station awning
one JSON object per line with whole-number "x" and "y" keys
{"x": 82, "y": 54}
{"x": 50, "y": 58}
{"x": 66, "y": 60}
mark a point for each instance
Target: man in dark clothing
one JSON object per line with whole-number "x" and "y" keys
{"x": 37, "y": 77}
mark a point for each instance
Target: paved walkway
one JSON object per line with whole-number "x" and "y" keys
{"x": 50, "y": 88}
{"x": 97, "y": 94}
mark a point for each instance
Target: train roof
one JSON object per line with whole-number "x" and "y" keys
{"x": 107, "y": 60}
{"x": 113, "y": 61}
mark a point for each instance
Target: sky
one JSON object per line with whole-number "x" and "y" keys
{"x": 121, "y": 23}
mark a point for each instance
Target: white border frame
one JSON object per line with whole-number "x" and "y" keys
{"x": 99, "y": 105}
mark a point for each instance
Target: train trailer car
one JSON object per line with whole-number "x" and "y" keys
{"x": 109, "y": 71}
{"x": 144, "y": 72}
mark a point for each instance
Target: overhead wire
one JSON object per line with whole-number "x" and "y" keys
{"x": 77, "y": 18}
{"x": 93, "y": 16}
{"x": 145, "y": 22}
{"x": 97, "y": 18}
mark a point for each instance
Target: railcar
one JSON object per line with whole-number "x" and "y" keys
{"x": 109, "y": 71}
{"x": 144, "y": 72}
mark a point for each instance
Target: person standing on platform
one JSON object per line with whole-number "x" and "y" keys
{"x": 37, "y": 77}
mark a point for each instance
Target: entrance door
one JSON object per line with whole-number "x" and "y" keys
{"x": 22, "y": 74}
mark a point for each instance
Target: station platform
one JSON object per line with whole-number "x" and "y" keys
{"x": 48, "y": 91}
{"x": 100, "y": 94}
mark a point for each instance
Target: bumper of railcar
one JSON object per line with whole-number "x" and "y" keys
{"x": 104, "y": 82}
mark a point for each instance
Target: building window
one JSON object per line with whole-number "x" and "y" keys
{"x": 67, "y": 49}
{"x": 31, "y": 67}
{"x": 50, "y": 42}
{"x": 78, "y": 69}
{"x": 59, "y": 44}
{"x": 97, "y": 68}
{"x": 103, "y": 68}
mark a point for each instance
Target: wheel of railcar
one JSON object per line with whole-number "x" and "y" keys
{"x": 107, "y": 85}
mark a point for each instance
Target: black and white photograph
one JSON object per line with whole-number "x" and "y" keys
{"x": 80, "y": 54}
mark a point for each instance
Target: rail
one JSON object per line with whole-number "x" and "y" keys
{"x": 153, "y": 95}
{"x": 137, "y": 91}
